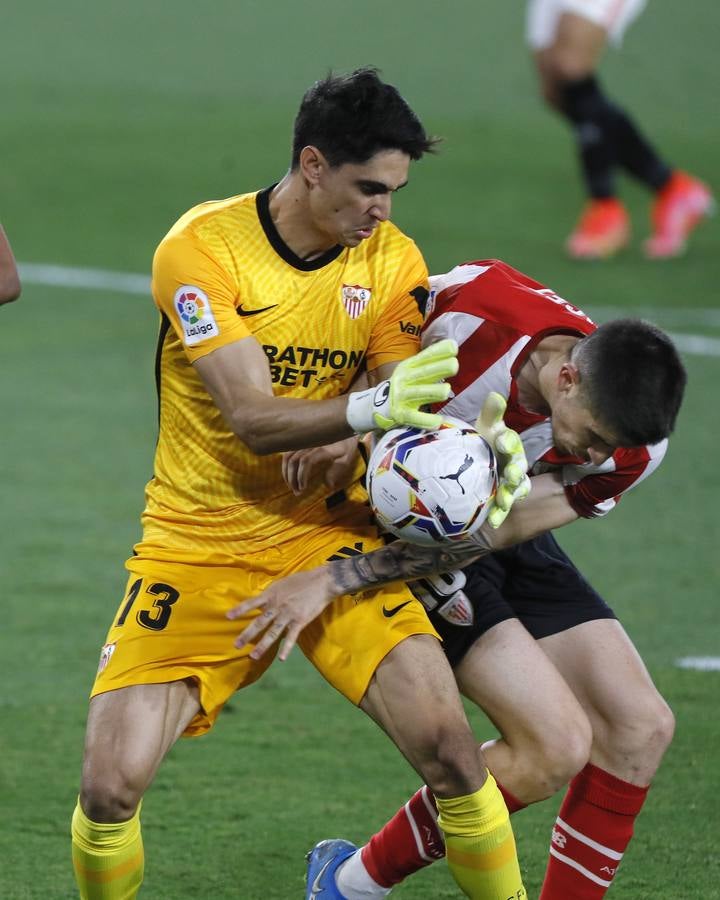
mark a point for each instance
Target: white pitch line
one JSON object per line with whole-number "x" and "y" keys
{"x": 703, "y": 316}
{"x": 134, "y": 283}
{"x": 92, "y": 279}
{"x": 696, "y": 344}
{"x": 702, "y": 663}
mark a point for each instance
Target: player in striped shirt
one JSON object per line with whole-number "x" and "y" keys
{"x": 530, "y": 641}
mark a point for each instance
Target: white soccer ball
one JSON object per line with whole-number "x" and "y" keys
{"x": 431, "y": 487}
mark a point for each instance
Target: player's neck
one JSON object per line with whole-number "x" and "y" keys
{"x": 537, "y": 378}
{"x": 291, "y": 217}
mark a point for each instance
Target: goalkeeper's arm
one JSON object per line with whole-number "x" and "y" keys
{"x": 237, "y": 377}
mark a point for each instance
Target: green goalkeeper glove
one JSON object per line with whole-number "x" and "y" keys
{"x": 415, "y": 382}
{"x": 513, "y": 483}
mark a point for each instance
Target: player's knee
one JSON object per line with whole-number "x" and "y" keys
{"x": 641, "y": 734}
{"x": 657, "y": 727}
{"x": 561, "y": 758}
{"x": 454, "y": 767}
{"x": 554, "y": 757}
{"x": 566, "y": 64}
{"x": 109, "y": 795}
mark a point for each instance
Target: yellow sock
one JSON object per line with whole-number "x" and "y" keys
{"x": 480, "y": 844}
{"x": 108, "y": 859}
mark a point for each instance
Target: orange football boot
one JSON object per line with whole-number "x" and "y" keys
{"x": 602, "y": 230}
{"x": 677, "y": 210}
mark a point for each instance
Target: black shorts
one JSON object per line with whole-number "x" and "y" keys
{"x": 534, "y": 582}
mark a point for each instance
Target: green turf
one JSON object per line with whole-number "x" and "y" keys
{"x": 118, "y": 118}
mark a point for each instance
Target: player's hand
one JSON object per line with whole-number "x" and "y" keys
{"x": 513, "y": 483}
{"x": 286, "y": 607}
{"x": 416, "y": 381}
{"x": 333, "y": 464}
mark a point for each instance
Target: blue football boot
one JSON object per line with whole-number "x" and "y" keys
{"x": 323, "y": 862}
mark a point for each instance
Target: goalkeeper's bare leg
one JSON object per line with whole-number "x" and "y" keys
{"x": 129, "y": 732}
{"x": 414, "y": 698}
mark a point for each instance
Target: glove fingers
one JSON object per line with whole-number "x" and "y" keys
{"x": 439, "y": 350}
{"x": 508, "y": 493}
{"x": 417, "y": 419}
{"x": 429, "y": 371}
{"x": 496, "y": 516}
{"x": 419, "y": 394}
{"x": 523, "y": 489}
{"x": 491, "y": 413}
{"x": 514, "y": 474}
{"x": 508, "y": 443}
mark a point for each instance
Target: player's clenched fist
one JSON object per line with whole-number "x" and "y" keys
{"x": 416, "y": 382}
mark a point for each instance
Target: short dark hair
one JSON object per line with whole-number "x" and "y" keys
{"x": 350, "y": 118}
{"x": 633, "y": 380}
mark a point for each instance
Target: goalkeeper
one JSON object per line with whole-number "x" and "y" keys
{"x": 530, "y": 641}
{"x": 271, "y": 303}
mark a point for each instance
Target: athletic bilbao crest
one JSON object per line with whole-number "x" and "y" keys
{"x": 355, "y": 299}
{"x": 458, "y": 610}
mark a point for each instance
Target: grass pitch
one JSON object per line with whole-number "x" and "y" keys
{"x": 118, "y": 119}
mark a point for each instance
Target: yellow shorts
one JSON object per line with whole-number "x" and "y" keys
{"x": 171, "y": 624}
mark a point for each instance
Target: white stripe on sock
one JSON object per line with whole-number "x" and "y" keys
{"x": 584, "y": 839}
{"x": 576, "y": 865}
{"x": 416, "y": 834}
{"x": 426, "y": 800}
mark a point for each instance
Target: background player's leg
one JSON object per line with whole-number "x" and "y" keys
{"x": 564, "y": 70}
{"x": 129, "y": 731}
{"x": 606, "y": 135}
{"x": 632, "y": 728}
{"x": 414, "y": 698}
{"x": 545, "y": 741}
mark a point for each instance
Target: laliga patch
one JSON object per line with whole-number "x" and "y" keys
{"x": 458, "y": 610}
{"x": 195, "y": 315}
{"x": 355, "y": 299}
{"x": 106, "y": 655}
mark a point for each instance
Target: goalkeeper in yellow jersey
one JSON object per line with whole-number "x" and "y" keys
{"x": 289, "y": 318}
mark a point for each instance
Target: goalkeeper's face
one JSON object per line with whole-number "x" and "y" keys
{"x": 349, "y": 201}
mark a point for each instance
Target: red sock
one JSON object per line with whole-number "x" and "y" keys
{"x": 511, "y": 801}
{"x": 592, "y": 830}
{"x": 411, "y": 840}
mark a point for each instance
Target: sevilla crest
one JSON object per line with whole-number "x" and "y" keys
{"x": 355, "y": 298}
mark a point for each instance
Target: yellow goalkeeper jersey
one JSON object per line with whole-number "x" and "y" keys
{"x": 223, "y": 273}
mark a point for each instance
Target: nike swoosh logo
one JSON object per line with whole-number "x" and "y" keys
{"x": 317, "y": 888}
{"x": 389, "y": 613}
{"x": 253, "y": 312}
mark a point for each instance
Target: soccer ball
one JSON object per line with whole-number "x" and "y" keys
{"x": 434, "y": 486}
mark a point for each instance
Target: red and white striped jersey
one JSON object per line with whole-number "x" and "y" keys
{"x": 498, "y": 316}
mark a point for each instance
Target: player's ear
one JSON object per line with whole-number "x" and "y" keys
{"x": 312, "y": 164}
{"x": 568, "y": 377}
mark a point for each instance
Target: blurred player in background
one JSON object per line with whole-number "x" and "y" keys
{"x": 567, "y": 38}
{"x": 9, "y": 278}
{"x": 271, "y": 304}
{"x": 530, "y": 641}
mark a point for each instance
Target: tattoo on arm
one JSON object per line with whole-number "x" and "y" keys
{"x": 400, "y": 561}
